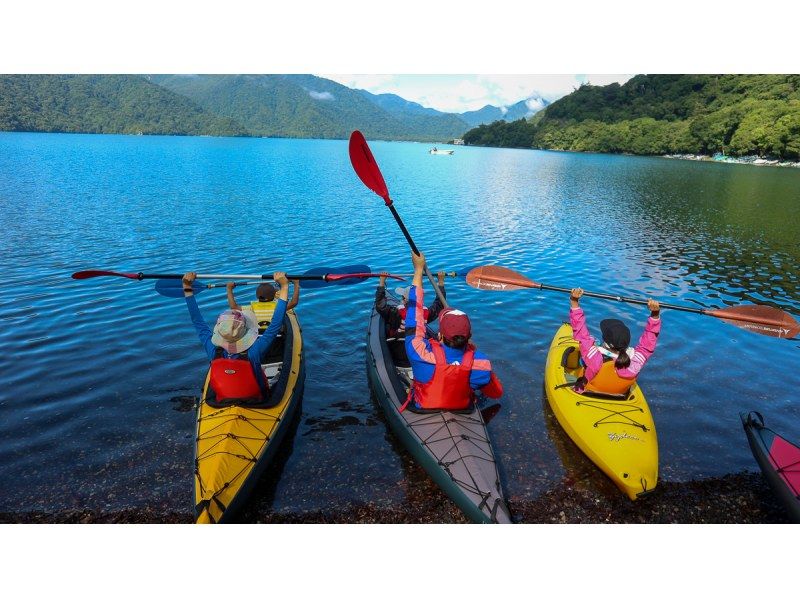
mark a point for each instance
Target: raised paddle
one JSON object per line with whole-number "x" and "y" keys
{"x": 174, "y": 288}
{"x": 310, "y": 275}
{"x": 367, "y": 170}
{"x": 761, "y": 319}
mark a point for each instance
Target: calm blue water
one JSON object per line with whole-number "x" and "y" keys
{"x": 95, "y": 372}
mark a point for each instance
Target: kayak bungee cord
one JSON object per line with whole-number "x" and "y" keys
{"x": 456, "y": 438}
{"x": 223, "y": 414}
{"x": 602, "y": 406}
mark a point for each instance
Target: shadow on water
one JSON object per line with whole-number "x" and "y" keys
{"x": 579, "y": 472}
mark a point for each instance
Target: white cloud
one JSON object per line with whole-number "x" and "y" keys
{"x": 534, "y": 104}
{"x": 321, "y": 95}
{"x": 460, "y": 93}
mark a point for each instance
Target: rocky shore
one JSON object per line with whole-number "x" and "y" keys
{"x": 734, "y": 498}
{"x": 753, "y": 160}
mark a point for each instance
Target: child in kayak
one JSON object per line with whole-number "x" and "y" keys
{"x": 235, "y": 337}
{"x": 448, "y": 369}
{"x": 612, "y": 368}
{"x": 265, "y": 306}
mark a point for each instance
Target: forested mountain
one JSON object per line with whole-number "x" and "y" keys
{"x": 490, "y": 114}
{"x": 102, "y": 104}
{"x": 662, "y": 114}
{"x": 309, "y": 106}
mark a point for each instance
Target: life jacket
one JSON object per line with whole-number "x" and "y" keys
{"x": 402, "y": 311}
{"x": 233, "y": 379}
{"x": 449, "y": 387}
{"x": 264, "y": 311}
{"x": 607, "y": 380}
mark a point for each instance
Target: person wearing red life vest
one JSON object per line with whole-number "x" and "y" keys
{"x": 612, "y": 367}
{"x": 448, "y": 369}
{"x": 235, "y": 348}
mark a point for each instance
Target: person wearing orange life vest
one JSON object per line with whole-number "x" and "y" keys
{"x": 448, "y": 369}
{"x": 612, "y": 367}
{"x": 235, "y": 348}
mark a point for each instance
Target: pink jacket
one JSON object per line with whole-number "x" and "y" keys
{"x": 594, "y": 359}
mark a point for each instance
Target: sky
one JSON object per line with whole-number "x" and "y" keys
{"x": 461, "y": 93}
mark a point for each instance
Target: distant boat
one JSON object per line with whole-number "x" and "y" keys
{"x": 438, "y": 152}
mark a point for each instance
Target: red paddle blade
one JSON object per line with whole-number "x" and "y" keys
{"x": 366, "y": 167}
{"x": 95, "y": 273}
{"x": 761, "y": 319}
{"x": 498, "y": 278}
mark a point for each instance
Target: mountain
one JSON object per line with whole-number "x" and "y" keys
{"x": 664, "y": 114}
{"x": 102, "y": 104}
{"x": 309, "y": 106}
{"x": 489, "y": 114}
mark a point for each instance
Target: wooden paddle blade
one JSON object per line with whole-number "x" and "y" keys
{"x": 498, "y": 278}
{"x": 366, "y": 167}
{"x": 83, "y": 274}
{"x": 761, "y": 319}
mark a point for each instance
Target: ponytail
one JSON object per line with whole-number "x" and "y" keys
{"x": 623, "y": 360}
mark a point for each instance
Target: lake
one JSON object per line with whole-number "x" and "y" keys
{"x": 100, "y": 375}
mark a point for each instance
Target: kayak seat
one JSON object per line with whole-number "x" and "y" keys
{"x": 571, "y": 359}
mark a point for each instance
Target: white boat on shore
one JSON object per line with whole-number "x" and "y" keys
{"x": 440, "y": 152}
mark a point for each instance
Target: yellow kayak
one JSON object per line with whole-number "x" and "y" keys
{"x": 235, "y": 443}
{"x": 617, "y": 433}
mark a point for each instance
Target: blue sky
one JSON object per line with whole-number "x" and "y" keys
{"x": 460, "y": 93}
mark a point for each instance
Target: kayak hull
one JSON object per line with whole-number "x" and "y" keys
{"x": 453, "y": 447}
{"x": 618, "y": 435}
{"x": 235, "y": 444}
{"x": 778, "y": 459}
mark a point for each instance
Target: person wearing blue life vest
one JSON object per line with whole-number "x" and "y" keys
{"x": 235, "y": 338}
{"x": 448, "y": 369}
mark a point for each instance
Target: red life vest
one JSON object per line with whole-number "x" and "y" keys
{"x": 402, "y": 311}
{"x": 235, "y": 380}
{"x": 449, "y": 386}
{"x": 608, "y": 381}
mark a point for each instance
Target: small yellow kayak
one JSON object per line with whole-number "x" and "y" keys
{"x": 235, "y": 443}
{"x": 616, "y": 432}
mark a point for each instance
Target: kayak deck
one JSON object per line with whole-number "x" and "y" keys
{"x": 618, "y": 435}
{"x": 235, "y": 443}
{"x": 453, "y": 447}
{"x": 778, "y": 459}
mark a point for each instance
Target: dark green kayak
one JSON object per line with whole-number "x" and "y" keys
{"x": 453, "y": 447}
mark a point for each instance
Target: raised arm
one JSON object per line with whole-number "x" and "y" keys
{"x": 295, "y": 295}
{"x": 647, "y": 342}
{"x": 231, "y": 299}
{"x": 204, "y": 333}
{"x": 589, "y": 353}
{"x": 436, "y": 306}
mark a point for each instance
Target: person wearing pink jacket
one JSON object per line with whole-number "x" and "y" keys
{"x": 612, "y": 367}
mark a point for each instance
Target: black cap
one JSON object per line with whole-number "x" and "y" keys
{"x": 615, "y": 334}
{"x": 265, "y": 292}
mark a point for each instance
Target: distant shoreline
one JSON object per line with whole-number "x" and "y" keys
{"x": 749, "y": 160}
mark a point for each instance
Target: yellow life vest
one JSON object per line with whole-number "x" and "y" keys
{"x": 263, "y": 311}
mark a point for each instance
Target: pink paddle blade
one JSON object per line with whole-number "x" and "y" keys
{"x": 498, "y": 278}
{"x": 365, "y": 166}
{"x": 95, "y": 273}
{"x": 761, "y": 319}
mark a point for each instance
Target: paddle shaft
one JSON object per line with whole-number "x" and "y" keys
{"x": 142, "y": 276}
{"x": 706, "y": 312}
{"x": 413, "y": 246}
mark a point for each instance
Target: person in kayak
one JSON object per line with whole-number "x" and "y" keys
{"x": 395, "y": 315}
{"x": 235, "y": 339}
{"x": 612, "y": 367}
{"x": 448, "y": 369}
{"x": 265, "y": 305}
